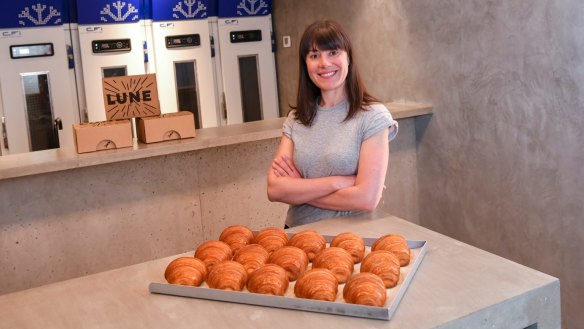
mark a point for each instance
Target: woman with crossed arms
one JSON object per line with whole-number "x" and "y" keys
{"x": 332, "y": 159}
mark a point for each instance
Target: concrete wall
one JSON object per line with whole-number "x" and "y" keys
{"x": 501, "y": 161}
{"x": 70, "y": 223}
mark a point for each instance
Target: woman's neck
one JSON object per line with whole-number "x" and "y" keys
{"x": 330, "y": 99}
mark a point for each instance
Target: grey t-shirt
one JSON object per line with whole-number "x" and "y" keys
{"x": 330, "y": 147}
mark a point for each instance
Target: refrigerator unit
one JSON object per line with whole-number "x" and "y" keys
{"x": 183, "y": 59}
{"x": 247, "y": 60}
{"x": 38, "y": 101}
{"x": 112, "y": 41}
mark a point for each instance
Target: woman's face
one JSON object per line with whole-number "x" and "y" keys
{"x": 328, "y": 69}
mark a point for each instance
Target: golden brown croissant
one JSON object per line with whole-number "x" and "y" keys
{"x": 292, "y": 259}
{"x": 384, "y": 264}
{"x": 252, "y": 257}
{"x": 213, "y": 252}
{"x": 352, "y": 243}
{"x": 227, "y": 275}
{"x": 317, "y": 283}
{"x": 336, "y": 259}
{"x": 269, "y": 279}
{"x": 236, "y": 236}
{"x": 365, "y": 289}
{"x": 271, "y": 238}
{"x": 187, "y": 271}
{"x": 396, "y": 244}
{"x": 310, "y": 241}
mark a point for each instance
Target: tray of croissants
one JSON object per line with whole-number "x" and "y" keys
{"x": 345, "y": 274}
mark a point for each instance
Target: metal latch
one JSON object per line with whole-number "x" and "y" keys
{"x": 58, "y": 124}
{"x": 4, "y": 133}
{"x": 224, "y": 106}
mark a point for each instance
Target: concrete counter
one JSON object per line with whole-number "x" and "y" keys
{"x": 456, "y": 286}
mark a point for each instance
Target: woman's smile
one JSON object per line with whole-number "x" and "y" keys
{"x": 327, "y": 75}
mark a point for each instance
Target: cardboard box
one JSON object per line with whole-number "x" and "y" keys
{"x": 97, "y": 136}
{"x": 130, "y": 96}
{"x": 178, "y": 125}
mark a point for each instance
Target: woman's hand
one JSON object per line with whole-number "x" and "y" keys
{"x": 285, "y": 167}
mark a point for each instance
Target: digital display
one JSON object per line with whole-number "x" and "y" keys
{"x": 105, "y": 46}
{"x": 28, "y": 51}
{"x": 187, "y": 40}
{"x": 245, "y": 36}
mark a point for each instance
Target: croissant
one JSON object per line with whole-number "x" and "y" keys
{"x": 227, "y": 275}
{"x": 271, "y": 238}
{"x": 317, "y": 283}
{"x": 310, "y": 241}
{"x": 269, "y": 279}
{"x": 252, "y": 257}
{"x": 396, "y": 244}
{"x": 292, "y": 259}
{"x": 213, "y": 252}
{"x": 336, "y": 259}
{"x": 352, "y": 243}
{"x": 384, "y": 264}
{"x": 365, "y": 289}
{"x": 187, "y": 271}
{"x": 236, "y": 236}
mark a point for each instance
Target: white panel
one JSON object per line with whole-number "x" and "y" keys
{"x": 217, "y": 75}
{"x": 75, "y": 74}
{"x": 148, "y": 35}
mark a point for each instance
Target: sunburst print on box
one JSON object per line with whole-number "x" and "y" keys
{"x": 130, "y": 96}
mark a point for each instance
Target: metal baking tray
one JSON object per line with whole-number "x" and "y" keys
{"x": 289, "y": 301}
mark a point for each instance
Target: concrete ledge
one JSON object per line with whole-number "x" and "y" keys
{"x": 39, "y": 162}
{"x": 404, "y": 110}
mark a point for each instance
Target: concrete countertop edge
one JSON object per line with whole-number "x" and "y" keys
{"x": 40, "y": 162}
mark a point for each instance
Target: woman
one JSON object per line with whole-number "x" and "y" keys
{"x": 333, "y": 155}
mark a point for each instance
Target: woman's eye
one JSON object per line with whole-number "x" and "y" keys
{"x": 313, "y": 56}
{"x": 334, "y": 52}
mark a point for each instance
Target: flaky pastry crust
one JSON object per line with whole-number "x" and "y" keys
{"x": 310, "y": 241}
{"x": 270, "y": 279}
{"x": 227, "y": 275}
{"x": 236, "y": 236}
{"x": 187, "y": 271}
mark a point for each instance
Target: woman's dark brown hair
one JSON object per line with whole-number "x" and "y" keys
{"x": 327, "y": 35}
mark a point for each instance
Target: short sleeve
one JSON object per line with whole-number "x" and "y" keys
{"x": 287, "y": 127}
{"x": 378, "y": 118}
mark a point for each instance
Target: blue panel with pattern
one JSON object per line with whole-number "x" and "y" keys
{"x": 32, "y": 13}
{"x": 109, "y": 11}
{"x": 242, "y": 8}
{"x": 170, "y": 10}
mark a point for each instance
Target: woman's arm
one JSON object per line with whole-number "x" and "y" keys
{"x": 368, "y": 188}
{"x": 285, "y": 184}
